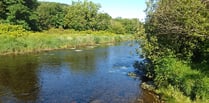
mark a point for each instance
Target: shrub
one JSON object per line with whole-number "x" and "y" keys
{"x": 14, "y": 30}
{"x": 178, "y": 74}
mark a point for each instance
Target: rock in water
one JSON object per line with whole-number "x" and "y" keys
{"x": 78, "y": 50}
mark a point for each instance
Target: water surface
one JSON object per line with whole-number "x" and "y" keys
{"x": 84, "y": 75}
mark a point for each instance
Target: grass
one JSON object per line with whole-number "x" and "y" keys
{"x": 54, "y": 39}
{"x": 178, "y": 82}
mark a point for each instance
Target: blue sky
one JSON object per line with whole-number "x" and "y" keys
{"x": 117, "y": 8}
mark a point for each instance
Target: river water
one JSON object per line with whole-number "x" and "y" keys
{"x": 83, "y": 75}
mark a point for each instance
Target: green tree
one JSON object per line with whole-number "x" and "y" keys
{"x": 130, "y": 25}
{"x": 81, "y": 15}
{"x": 178, "y": 25}
{"x": 102, "y": 21}
{"x": 20, "y": 12}
{"x": 51, "y": 15}
{"x": 117, "y": 27}
{"x": 2, "y": 10}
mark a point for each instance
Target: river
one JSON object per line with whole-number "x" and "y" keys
{"x": 82, "y": 75}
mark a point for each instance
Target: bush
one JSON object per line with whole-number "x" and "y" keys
{"x": 179, "y": 75}
{"x": 14, "y": 30}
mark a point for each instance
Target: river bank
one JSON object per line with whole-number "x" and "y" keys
{"x": 27, "y": 42}
{"x": 174, "y": 81}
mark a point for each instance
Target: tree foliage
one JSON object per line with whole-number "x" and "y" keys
{"x": 130, "y": 25}
{"x": 177, "y": 44}
{"x": 103, "y": 21}
{"x": 51, "y": 15}
{"x": 82, "y": 15}
{"x": 179, "y": 25}
{"x": 20, "y": 12}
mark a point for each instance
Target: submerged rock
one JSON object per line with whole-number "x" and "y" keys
{"x": 132, "y": 74}
{"x": 78, "y": 50}
{"x": 124, "y": 67}
{"x": 148, "y": 86}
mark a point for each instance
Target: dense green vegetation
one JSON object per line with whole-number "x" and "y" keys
{"x": 29, "y": 25}
{"x": 19, "y": 12}
{"x": 16, "y": 40}
{"x": 51, "y": 15}
{"x": 176, "y": 46}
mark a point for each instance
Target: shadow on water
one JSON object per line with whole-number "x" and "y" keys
{"x": 83, "y": 75}
{"x": 18, "y": 78}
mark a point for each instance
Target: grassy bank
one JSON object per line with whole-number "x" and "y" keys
{"x": 16, "y": 42}
{"x": 177, "y": 81}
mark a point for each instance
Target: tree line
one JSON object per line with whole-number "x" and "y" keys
{"x": 38, "y": 16}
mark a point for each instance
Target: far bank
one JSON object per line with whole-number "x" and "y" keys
{"x": 20, "y": 42}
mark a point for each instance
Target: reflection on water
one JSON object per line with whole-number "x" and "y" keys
{"x": 93, "y": 75}
{"x": 18, "y": 79}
